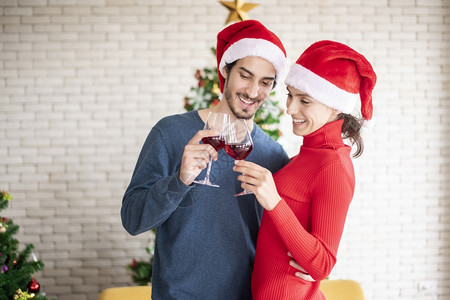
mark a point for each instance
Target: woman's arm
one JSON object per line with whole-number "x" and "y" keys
{"x": 315, "y": 251}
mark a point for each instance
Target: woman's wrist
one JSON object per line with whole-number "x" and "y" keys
{"x": 272, "y": 204}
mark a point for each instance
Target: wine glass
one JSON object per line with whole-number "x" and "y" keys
{"x": 238, "y": 143}
{"x": 215, "y": 121}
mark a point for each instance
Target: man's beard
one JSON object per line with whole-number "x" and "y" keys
{"x": 245, "y": 114}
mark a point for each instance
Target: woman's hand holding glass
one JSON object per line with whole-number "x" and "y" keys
{"x": 259, "y": 181}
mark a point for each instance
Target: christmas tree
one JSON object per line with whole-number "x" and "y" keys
{"x": 15, "y": 267}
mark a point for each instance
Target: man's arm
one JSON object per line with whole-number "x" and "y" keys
{"x": 160, "y": 181}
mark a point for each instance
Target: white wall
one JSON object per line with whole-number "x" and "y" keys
{"x": 82, "y": 82}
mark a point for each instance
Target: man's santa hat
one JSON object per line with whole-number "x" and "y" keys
{"x": 335, "y": 75}
{"x": 248, "y": 38}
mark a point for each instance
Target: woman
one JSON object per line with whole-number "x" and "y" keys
{"x": 306, "y": 202}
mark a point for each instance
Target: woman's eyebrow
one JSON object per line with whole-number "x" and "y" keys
{"x": 300, "y": 94}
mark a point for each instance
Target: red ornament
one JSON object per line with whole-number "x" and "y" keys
{"x": 133, "y": 263}
{"x": 215, "y": 102}
{"x": 198, "y": 74}
{"x": 33, "y": 286}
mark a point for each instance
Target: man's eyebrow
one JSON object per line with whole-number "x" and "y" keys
{"x": 246, "y": 70}
{"x": 249, "y": 72}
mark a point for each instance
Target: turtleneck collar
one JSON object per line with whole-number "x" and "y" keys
{"x": 327, "y": 136}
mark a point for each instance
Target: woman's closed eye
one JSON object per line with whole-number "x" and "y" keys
{"x": 305, "y": 101}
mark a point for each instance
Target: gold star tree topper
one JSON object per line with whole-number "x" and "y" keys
{"x": 238, "y": 10}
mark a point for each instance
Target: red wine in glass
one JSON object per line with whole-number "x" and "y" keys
{"x": 238, "y": 151}
{"x": 215, "y": 121}
{"x": 215, "y": 141}
{"x": 238, "y": 143}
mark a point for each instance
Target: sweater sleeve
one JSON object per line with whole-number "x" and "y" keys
{"x": 155, "y": 190}
{"x": 316, "y": 251}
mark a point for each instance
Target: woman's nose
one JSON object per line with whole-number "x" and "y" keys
{"x": 291, "y": 108}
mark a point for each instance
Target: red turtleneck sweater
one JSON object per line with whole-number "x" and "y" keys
{"x": 316, "y": 189}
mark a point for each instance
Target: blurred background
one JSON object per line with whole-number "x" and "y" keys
{"x": 82, "y": 83}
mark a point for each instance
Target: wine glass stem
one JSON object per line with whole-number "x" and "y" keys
{"x": 209, "y": 169}
{"x": 244, "y": 191}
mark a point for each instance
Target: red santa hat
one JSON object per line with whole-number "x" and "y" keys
{"x": 335, "y": 75}
{"x": 248, "y": 38}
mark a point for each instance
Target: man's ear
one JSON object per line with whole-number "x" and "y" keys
{"x": 225, "y": 73}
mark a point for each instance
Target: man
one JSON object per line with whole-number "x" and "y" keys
{"x": 205, "y": 241}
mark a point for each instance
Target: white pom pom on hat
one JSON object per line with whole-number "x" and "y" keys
{"x": 335, "y": 75}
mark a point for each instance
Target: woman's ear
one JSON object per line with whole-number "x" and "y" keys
{"x": 336, "y": 112}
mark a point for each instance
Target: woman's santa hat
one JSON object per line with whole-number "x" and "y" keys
{"x": 335, "y": 75}
{"x": 248, "y": 38}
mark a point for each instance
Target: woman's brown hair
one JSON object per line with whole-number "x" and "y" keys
{"x": 351, "y": 129}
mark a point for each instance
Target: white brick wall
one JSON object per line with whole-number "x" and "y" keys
{"x": 82, "y": 83}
